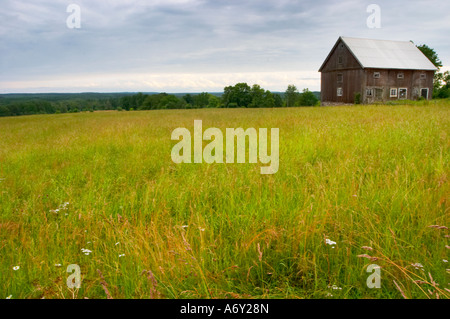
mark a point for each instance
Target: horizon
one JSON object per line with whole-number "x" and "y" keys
{"x": 129, "y": 92}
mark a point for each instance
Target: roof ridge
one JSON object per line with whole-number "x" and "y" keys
{"x": 403, "y": 41}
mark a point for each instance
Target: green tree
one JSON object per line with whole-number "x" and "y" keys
{"x": 237, "y": 96}
{"x": 214, "y": 101}
{"x": 307, "y": 98}
{"x": 269, "y": 99}
{"x": 4, "y": 111}
{"x": 291, "y": 95}
{"x": 125, "y": 102}
{"x": 278, "y": 101}
{"x": 139, "y": 100}
{"x": 441, "y": 80}
{"x": 431, "y": 55}
{"x": 257, "y": 95}
{"x": 201, "y": 100}
{"x": 169, "y": 102}
{"x": 189, "y": 99}
{"x": 442, "y": 85}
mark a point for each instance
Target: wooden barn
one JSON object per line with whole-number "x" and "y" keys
{"x": 375, "y": 71}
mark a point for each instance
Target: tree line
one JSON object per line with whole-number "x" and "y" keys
{"x": 239, "y": 95}
{"x": 441, "y": 84}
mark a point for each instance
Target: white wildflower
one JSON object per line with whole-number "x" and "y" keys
{"x": 445, "y": 260}
{"x": 417, "y": 265}
{"x": 9, "y": 297}
{"x": 330, "y": 242}
{"x": 334, "y": 287}
{"x": 63, "y": 206}
{"x": 57, "y": 265}
{"x": 86, "y": 251}
{"x": 117, "y": 243}
{"x": 16, "y": 267}
{"x": 122, "y": 255}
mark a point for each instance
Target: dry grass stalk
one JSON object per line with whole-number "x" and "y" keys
{"x": 153, "y": 291}
{"x": 104, "y": 285}
{"x": 368, "y": 257}
{"x": 438, "y": 227}
{"x": 400, "y": 289}
{"x": 260, "y": 253}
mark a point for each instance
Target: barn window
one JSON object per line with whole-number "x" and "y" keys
{"x": 376, "y": 75}
{"x": 340, "y": 77}
{"x": 393, "y": 92}
{"x": 340, "y": 59}
{"x": 423, "y": 76}
{"x": 369, "y": 92}
{"x": 402, "y": 93}
{"x": 400, "y": 76}
{"x": 341, "y": 46}
{"x": 340, "y": 92}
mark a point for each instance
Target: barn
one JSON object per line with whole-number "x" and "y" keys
{"x": 375, "y": 71}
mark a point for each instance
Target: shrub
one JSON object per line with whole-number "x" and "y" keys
{"x": 358, "y": 98}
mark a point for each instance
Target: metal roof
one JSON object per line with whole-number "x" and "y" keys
{"x": 387, "y": 54}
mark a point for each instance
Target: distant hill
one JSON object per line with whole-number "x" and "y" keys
{"x": 55, "y": 97}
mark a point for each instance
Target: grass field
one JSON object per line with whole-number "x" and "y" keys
{"x": 361, "y": 176}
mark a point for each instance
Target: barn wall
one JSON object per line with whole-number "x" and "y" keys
{"x": 351, "y": 83}
{"x": 348, "y": 60}
{"x": 412, "y": 80}
{"x": 351, "y": 71}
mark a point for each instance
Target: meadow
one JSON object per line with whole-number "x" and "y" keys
{"x": 356, "y": 186}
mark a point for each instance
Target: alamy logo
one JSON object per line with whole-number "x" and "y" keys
{"x": 74, "y": 20}
{"x": 74, "y": 280}
{"x": 374, "y": 20}
{"x": 374, "y": 280}
{"x": 214, "y": 151}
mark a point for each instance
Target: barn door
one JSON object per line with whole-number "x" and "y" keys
{"x": 403, "y": 93}
{"x": 379, "y": 94}
{"x": 424, "y": 93}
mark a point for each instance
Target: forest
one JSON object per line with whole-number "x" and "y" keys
{"x": 239, "y": 95}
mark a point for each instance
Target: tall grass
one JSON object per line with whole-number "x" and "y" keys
{"x": 362, "y": 176}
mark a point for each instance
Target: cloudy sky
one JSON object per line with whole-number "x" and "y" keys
{"x": 195, "y": 45}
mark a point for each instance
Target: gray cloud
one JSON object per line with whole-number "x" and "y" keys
{"x": 196, "y": 36}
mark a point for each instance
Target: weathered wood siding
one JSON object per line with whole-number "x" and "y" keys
{"x": 411, "y": 80}
{"x": 341, "y": 70}
{"x": 351, "y": 83}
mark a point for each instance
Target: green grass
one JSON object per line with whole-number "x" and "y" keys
{"x": 361, "y": 176}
